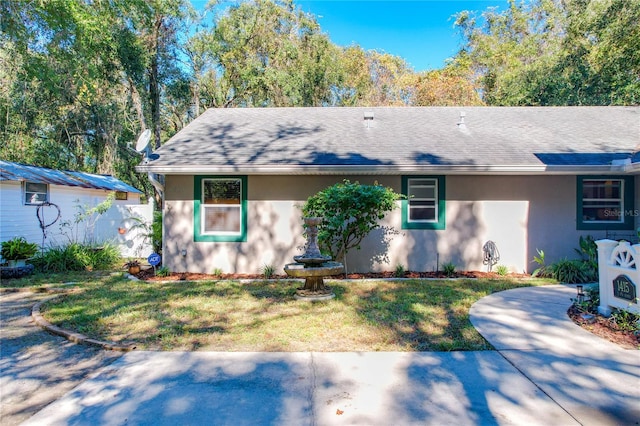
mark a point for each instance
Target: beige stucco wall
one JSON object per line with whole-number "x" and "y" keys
{"x": 519, "y": 213}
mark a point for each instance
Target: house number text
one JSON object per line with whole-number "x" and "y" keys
{"x": 623, "y": 288}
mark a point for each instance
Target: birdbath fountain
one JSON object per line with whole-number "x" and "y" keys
{"x": 313, "y": 266}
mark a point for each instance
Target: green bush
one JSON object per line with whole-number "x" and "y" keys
{"x": 625, "y": 320}
{"x": 449, "y": 269}
{"x": 502, "y": 270}
{"x": 268, "y": 271}
{"x": 543, "y": 270}
{"x": 163, "y": 271}
{"x": 399, "y": 270}
{"x": 591, "y": 300}
{"x": 350, "y": 212}
{"x": 18, "y": 248}
{"x": 588, "y": 251}
{"x": 77, "y": 257}
{"x": 156, "y": 231}
{"x": 571, "y": 271}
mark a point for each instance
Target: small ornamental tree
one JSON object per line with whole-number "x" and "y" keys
{"x": 350, "y": 211}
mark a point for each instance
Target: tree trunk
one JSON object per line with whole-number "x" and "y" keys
{"x": 154, "y": 84}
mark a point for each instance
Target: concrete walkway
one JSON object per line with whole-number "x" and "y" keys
{"x": 595, "y": 381}
{"x": 37, "y": 368}
{"x": 546, "y": 371}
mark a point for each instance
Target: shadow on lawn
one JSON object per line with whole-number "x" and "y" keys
{"x": 410, "y": 315}
{"x": 424, "y": 316}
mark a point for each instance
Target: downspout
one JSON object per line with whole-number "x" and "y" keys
{"x": 159, "y": 186}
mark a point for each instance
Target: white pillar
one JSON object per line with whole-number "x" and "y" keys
{"x": 605, "y": 248}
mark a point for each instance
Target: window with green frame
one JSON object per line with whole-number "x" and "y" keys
{"x": 605, "y": 203}
{"x": 424, "y": 206}
{"x": 220, "y": 208}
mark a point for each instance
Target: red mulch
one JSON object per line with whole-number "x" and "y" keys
{"x": 605, "y": 329}
{"x": 148, "y": 275}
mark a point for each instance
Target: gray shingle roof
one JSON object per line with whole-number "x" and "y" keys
{"x": 400, "y": 139}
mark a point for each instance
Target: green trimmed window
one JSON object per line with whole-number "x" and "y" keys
{"x": 220, "y": 208}
{"x": 605, "y": 203}
{"x": 424, "y": 207}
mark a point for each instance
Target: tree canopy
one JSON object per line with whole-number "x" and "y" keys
{"x": 80, "y": 79}
{"x": 555, "y": 52}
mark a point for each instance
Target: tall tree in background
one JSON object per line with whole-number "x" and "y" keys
{"x": 452, "y": 85}
{"x": 61, "y": 103}
{"x": 80, "y": 79}
{"x": 266, "y": 53}
{"x": 556, "y": 52}
{"x": 158, "y": 24}
{"x": 372, "y": 78}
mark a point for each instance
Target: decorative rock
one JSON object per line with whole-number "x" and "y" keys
{"x": 589, "y": 318}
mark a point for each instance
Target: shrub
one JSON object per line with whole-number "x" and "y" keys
{"x": 163, "y": 271}
{"x": 217, "y": 272}
{"x": 399, "y": 270}
{"x": 18, "y": 248}
{"x": 267, "y": 271}
{"x": 588, "y": 251}
{"x": 571, "y": 271}
{"x": 625, "y": 320}
{"x": 350, "y": 211}
{"x": 156, "y": 231}
{"x": 449, "y": 269}
{"x": 590, "y": 302}
{"x": 77, "y": 257}
{"x": 543, "y": 271}
{"x": 502, "y": 270}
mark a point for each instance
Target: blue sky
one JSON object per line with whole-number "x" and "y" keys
{"x": 420, "y": 31}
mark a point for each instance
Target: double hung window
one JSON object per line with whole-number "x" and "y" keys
{"x": 424, "y": 206}
{"x": 220, "y": 208}
{"x": 605, "y": 203}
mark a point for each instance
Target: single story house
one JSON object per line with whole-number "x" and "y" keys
{"x": 26, "y": 190}
{"x": 526, "y": 178}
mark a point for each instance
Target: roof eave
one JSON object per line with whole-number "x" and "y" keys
{"x": 379, "y": 170}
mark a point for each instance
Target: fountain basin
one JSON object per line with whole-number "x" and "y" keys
{"x": 298, "y": 270}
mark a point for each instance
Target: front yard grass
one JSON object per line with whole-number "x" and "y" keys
{"x": 408, "y": 315}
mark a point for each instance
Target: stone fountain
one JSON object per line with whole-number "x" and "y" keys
{"x": 313, "y": 266}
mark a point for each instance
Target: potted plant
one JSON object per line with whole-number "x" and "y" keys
{"x": 133, "y": 266}
{"x": 17, "y": 250}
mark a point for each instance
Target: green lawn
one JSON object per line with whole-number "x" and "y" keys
{"x": 408, "y": 315}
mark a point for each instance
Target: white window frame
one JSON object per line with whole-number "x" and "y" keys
{"x": 620, "y": 209}
{"x": 204, "y": 207}
{"x": 27, "y": 195}
{"x": 412, "y": 198}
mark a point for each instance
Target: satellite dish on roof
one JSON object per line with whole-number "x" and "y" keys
{"x": 143, "y": 141}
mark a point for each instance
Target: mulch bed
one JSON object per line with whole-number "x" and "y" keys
{"x": 605, "y": 329}
{"x": 148, "y": 275}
